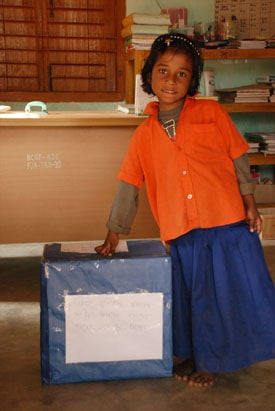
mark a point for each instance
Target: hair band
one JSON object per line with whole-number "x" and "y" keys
{"x": 172, "y": 37}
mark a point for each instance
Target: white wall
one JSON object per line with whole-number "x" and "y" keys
{"x": 198, "y": 10}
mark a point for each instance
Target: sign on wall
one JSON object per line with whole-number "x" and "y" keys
{"x": 256, "y": 18}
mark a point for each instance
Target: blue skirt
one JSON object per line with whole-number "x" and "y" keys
{"x": 223, "y": 299}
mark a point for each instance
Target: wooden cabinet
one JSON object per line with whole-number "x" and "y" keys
{"x": 58, "y": 176}
{"x": 134, "y": 61}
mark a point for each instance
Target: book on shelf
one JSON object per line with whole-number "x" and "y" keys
{"x": 248, "y": 94}
{"x": 3, "y": 109}
{"x": 246, "y": 44}
{"x": 265, "y": 140}
{"x": 260, "y": 136}
{"x": 143, "y": 29}
{"x": 140, "y": 41}
{"x": 147, "y": 18}
{"x": 251, "y": 99}
{"x": 252, "y": 44}
{"x": 141, "y": 98}
{"x": 226, "y": 96}
{"x": 252, "y": 96}
{"x": 254, "y": 147}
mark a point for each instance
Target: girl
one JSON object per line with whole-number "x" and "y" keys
{"x": 197, "y": 176}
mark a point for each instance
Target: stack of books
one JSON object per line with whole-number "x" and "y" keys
{"x": 139, "y": 30}
{"x": 252, "y": 44}
{"x": 254, "y": 140}
{"x": 254, "y": 93}
{"x": 269, "y": 143}
{"x": 265, "y": 141}
{"x": 247, "y": 44}
{"x": 254, "y": 147}
{"x": 269, "y": 80}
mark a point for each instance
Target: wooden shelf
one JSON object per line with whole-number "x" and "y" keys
{"x": 82, "y": 118}
{"x": 265, "y": 205}
{"x": 261, "y": 159}
{"x": 134, "y": 61}
{"x": 227, "y": 54}
{"x": 215, "y": 54}
{"x": 249, "y": 107}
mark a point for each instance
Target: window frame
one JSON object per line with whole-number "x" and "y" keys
{"x": 80, "y": 96}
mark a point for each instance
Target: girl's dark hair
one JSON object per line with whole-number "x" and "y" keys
{"x": 179, "y": 43}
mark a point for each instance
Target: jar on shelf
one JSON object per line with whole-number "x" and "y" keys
{"x": 227, "y": 29}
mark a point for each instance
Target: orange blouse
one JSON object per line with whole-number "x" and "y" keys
{"x": 190, "y": 183}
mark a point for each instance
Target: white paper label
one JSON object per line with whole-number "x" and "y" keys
{"x": 114, "y": 327}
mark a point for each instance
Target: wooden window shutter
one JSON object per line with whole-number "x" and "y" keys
{"x": 61, "y": 50}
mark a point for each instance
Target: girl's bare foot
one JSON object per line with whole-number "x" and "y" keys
{"x": 184, "y": 370}
{"x": 202, "y": 379}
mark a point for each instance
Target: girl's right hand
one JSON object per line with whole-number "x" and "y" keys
{"x": 109, "y": 246}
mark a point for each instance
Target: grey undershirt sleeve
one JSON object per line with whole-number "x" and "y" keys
{"x": 242, "y": 167}
{"x": 124, "y": 208}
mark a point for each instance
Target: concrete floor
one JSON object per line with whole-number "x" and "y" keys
{"x": 20, "y": 385}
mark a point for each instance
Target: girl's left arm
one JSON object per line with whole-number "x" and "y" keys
{"x": 247, "y": 187}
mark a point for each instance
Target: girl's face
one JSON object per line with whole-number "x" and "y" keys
{"x": 171, "y": 76}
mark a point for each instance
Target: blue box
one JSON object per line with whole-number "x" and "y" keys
{"x": 106, "y": 318}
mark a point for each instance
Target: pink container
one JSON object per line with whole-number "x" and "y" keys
{"x": 178, "y": 15}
